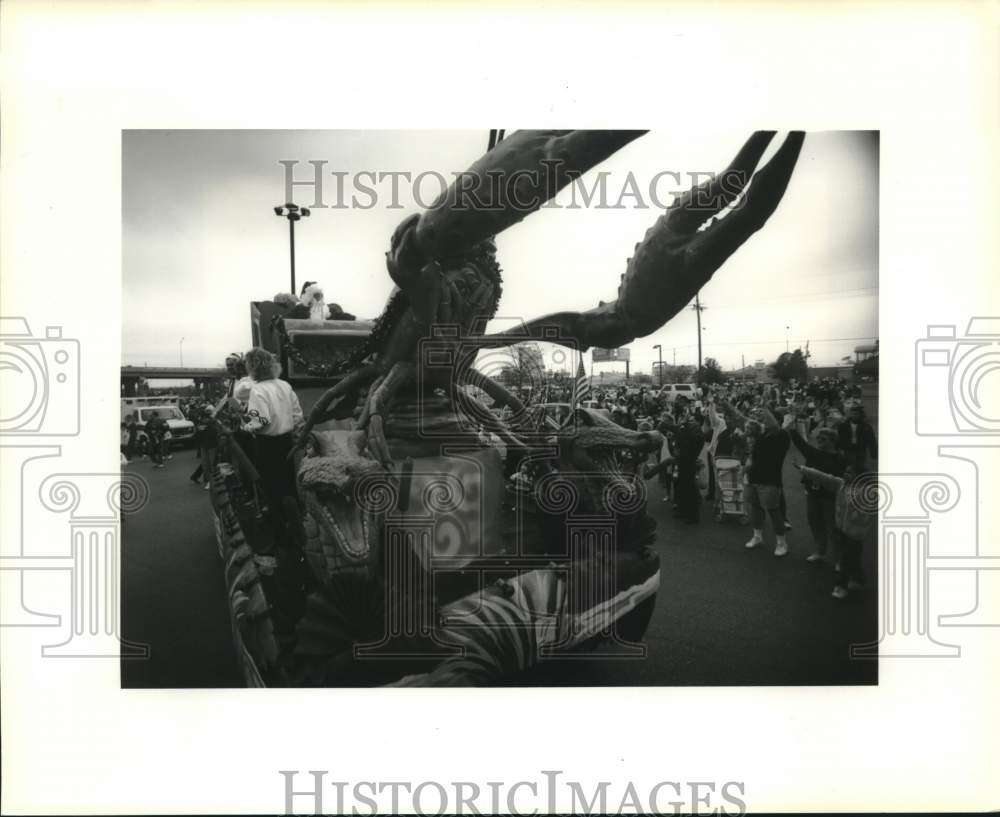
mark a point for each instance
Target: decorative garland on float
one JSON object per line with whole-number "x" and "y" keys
{"x": 312, "y": 368}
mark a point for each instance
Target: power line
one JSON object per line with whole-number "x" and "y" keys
{"x": 769, "y": 342}
{"x": 790, "y": 298}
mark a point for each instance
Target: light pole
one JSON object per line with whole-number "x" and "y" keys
{"x": 293, "y": 213}
{"x": 786, "y": 337}
{"x": 182, "y": 352}
{"x": 659, "y": 350}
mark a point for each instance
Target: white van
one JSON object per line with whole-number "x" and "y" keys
{"x": 671, "y": 391}
{"x": 167, "y": 408}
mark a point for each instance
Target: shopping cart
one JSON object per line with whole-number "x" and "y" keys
{"x": 729, "y": 490}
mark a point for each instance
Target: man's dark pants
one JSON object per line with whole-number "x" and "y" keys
{"x": 686, "y": 491}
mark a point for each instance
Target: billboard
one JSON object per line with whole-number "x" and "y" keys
{"x": 610, "y": 355}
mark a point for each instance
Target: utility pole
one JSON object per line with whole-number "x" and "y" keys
{"x": 698, "y": 308}
{"x": 659, "y": 350}
{"x": 293, "y": 213}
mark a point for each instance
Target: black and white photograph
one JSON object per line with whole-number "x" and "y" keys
{"x": 567, "y": 408}
{"x": 530, "y": 408}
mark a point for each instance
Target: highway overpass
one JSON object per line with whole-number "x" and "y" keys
{"x": 132, "y": 375}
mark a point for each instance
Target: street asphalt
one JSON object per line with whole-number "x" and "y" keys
{"x": 724, "y": 615}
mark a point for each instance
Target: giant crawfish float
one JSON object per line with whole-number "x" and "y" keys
{"x": 426, "y": 564}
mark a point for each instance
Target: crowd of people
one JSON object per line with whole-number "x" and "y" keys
{"x": 258, "y": 416}
{"x": 749, "y": 425}
{"x": 153, "y": 443}
{"x": 740, "y": 433}
{"x": 754, "y": 426}
{"x": 153, "y": 439}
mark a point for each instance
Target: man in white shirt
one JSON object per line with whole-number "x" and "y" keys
{"x": 273, "y": 412}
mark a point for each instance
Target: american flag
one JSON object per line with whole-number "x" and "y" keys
{"x": 581, "y": 388}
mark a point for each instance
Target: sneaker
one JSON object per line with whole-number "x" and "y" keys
{"x": 159, "y": 465}
{"x": 207, "y": 486}
{"x": 814, "y": 558}
{"x": 839, "y": 592}
{"x": 781, "y": 549}
{"x": 755, "y": 542}
{"x": 788, "y": 525}
{"x": 853, "y": 585}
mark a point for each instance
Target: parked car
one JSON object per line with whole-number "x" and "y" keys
{"x": 671, "y": 391}
{"x": 596, "y": 407}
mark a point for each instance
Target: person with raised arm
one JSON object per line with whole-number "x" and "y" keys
{"x": 854, "y": 519}
{"x": 824, "y": 456}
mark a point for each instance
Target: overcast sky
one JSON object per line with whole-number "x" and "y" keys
{"x": 201, "y": 240}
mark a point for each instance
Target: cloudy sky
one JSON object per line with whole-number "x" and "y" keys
{"x": 200, "y": 238}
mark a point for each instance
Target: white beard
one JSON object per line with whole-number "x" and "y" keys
{"x": 316, "y": 306}
{"x": 317, "y": 311}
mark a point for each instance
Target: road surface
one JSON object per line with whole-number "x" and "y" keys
{"x": 724, "y": 615}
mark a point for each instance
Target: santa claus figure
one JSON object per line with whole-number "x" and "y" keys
{"x": 312, "y": 299}
{"x": 311, "y": 305}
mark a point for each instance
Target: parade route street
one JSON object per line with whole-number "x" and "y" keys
{"x": 724, "y": 615}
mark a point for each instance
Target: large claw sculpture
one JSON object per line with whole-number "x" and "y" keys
{"x": 427, "y": 257}
{"x": 499, "y": 190}
{"x": 682, "y": 250}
